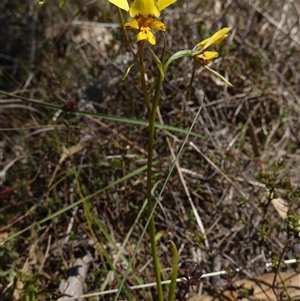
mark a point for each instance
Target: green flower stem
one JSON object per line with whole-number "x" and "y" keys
{"x": 191, "y": 81}
{"x": 152, "y": 116}
{"x": 142, "y": 72}
{"x": 151, "y": 119}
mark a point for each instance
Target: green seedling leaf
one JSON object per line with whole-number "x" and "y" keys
{"x": 159, "y": 235}
{"x": 173, "y": 283}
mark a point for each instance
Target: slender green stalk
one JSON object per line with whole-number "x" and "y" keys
{"x": 152, "y": 117}
{"x": 191, "y": 81}
{"x": 142, "y": 72}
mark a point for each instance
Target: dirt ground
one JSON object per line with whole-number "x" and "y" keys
{"x": 74, "y": 183}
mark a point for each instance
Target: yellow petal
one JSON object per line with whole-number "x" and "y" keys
{"x": 216, "y": 38}
{"x": 133, "y": 24}
{"x": 146, "y": 34}
{"x": 206, "y": 57}
{"x": 158, "y": 25}
{"x": 145, "y": 8}
{"x": 162, "y": 4}
{"x": 202, "y": 43}
{"x": 123, "y": 4}
{"x": 210, "y": 55}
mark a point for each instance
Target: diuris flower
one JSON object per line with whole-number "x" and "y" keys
{"x": 145, "y": 14}
{"x": 205, "y": 57}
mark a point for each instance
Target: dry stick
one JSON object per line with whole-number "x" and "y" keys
{"x": 63, "y": 31}
{"x": 7, "y": 167}
{"x": 219, "y": 170}
{"x": 198, "y": 219}
{"x": 233, "y": 97}
{"x": 277, "y": 272}
{"x": 122, "y": 247}
{"x": 66, "y": 236}
{"x": 152, "y": 284}
{"x": 252, "y": 134}
{"x": 272, "y": 21}
{"x": 221, "y": 173}
{"x": 120, "y": 135}
{"x": 46, "y": 254}
{"x": 73, "y": 287}
{"x": 249, "y": 120}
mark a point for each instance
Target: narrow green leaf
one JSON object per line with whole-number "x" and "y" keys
{"x": 128, "y": 70}
{"x": 219, "y": 75}
{"x": 173, "y": 283}
{"x": 106, "y": 117}
{"x": 71, "y": 206}
{"x": 135, "y": 59}
{"x": 158, "y": 62}
{"x": 175, "y": 56}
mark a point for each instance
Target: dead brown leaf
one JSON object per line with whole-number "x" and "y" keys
{"x": 281, "y": 207}
{"x": 67, "y": 152}
{"x": 3, "y": 236}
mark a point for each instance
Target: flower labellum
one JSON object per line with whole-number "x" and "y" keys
{"x": 206, "y": 57}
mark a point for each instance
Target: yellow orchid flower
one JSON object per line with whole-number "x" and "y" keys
{"x": 144, "y": 14}
{"x": 205, "y": 57}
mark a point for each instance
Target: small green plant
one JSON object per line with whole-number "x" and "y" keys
{"x": 28, "y": 288}
{"x": 144, "y": 15}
